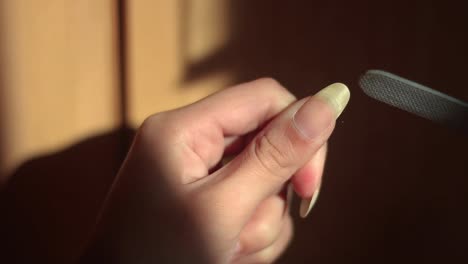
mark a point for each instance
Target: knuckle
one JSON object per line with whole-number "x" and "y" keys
{"x": 150, "y": 122}
{"x": 265, "y": 257}
{"x": 263, "y": 235}
{"x": 158, "y": 126}
{"x": 259, "y": 237}
{"x": 276, "y": 248}
{"x": 274, "y": 159}
{"x": 149, "y": 126}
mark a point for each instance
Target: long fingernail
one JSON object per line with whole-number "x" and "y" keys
{"x": 307, "y": 204}
{"x": 337, "y": 97}
{"x": 289, "y": 195}
{"x": 313, "y": 118}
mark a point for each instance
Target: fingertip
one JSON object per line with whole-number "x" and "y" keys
{"x": 307, "y": 179}
{"x": 308, "y": 204}
{"x": 304, "y": 182}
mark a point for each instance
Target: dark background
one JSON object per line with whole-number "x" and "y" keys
{"x": 395, "y": 187}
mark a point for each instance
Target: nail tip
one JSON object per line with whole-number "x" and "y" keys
{"x": 338, "y": 95}
{"x": 289, "y": 196}
{"x": 308, "y": 204}
{"x": 304, "y": 210}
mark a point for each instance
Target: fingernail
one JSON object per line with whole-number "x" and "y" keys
{"x": 226, "y": 159}
{"x": 289, "y": 195}
{"x": 307, "y": 204}
{"x": 313, "y": 118}
{"x": 337, "y": 95}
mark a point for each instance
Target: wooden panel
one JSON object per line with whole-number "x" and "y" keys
{"x": 165, "y": 38}
{"x": 58, "y": 74}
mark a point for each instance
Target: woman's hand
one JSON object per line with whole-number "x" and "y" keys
{"x": 174, "y": 202}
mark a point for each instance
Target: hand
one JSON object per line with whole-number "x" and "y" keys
{"x": 173, "y": 202}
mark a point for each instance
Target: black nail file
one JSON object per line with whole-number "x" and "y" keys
{"x": 415, "y": 98}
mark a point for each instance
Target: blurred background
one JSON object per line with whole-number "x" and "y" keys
{"x": 78, "y": 77}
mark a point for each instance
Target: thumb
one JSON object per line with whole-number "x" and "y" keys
{"x": 283, "y": 147}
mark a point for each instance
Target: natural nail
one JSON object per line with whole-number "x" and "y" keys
{"x": 289, "y": 195}
{"x": 314, "y": 117}
{"x": 336, "y": 96}
{"x": 307, "y": 204}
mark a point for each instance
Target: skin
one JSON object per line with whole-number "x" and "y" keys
{"x": 172, "y": 202}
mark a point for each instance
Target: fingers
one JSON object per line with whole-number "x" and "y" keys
{"x": 264, "y": 227}
{"x": 240, "y": 109}
{"x": 273, "y": 251}
{"x": 195, "y": 133}
{"x": 280, "y": 149}
{"x": 307, "y": 180}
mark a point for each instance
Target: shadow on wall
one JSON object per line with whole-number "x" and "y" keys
{"x": 395, "y": 186}
{"x": 50, "y": 204}
{"x": 308, "y": 44}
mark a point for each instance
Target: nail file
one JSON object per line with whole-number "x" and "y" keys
{"x": 415, "y": 98}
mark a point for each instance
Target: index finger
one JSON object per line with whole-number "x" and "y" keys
{"x": 234, "y": 111}
{"x": 239, "y": 109}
